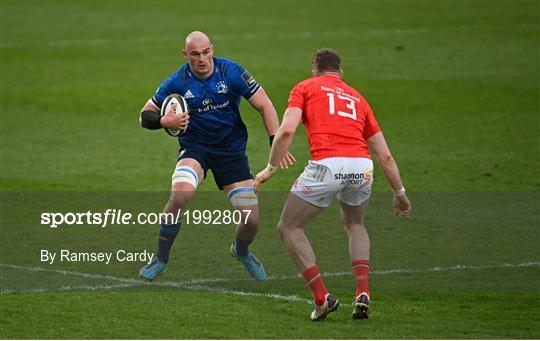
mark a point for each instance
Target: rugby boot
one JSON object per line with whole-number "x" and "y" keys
{"x": 361, "y": 307}
{"x": 152, "y": 270}
{"x": 330, "y": 304}
{"x": 251, "y": 263}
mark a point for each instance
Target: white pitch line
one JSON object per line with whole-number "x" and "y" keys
{"x": 68, "y": 288}
{"x": 293, "y": 298}
{"x": 435, "y": 268}
{"x": 195, "y": 284}
{"x": 129, "y": 282}
{"x": 132, "y": 281}
{"x": 75, "y": 273}
{"x": 284, "y": 277}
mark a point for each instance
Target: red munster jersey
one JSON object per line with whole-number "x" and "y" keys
{"x": 337, "y": 118}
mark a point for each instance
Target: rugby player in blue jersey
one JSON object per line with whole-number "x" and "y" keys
{"x": 215, "y": 139}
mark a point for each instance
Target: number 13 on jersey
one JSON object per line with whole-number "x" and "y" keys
{"x": 350, "y": 105}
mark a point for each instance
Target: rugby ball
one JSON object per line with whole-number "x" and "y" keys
{"x": 181, "y": 107}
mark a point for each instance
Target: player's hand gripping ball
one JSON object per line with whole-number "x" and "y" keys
{"x": 181, "y": 107}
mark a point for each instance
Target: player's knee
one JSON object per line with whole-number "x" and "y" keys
{"x": 250, "y": 218}
{"x": 243, "y": 196}
{"x": 185, "y": 175}
{"x": 354, "y": 228}
{"x": 282, "y": 229}
{"x": 178, "y": 200}
{"x": 350, "y": 223}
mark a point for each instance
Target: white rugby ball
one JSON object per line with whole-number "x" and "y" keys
{"x": 181, "y": 107}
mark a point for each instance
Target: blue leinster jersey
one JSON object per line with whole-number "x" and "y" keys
{"x": 215, "y": 124}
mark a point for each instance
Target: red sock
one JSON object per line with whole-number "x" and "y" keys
{"x": 360, "y": 269}
{"x": 313, "y": 278}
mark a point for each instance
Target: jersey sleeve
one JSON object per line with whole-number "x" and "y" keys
{"x": 242, "y": 81}
{"x": 165, "y": 89}
{"x": 371, "y": 126}
{"x": 296, "y": 97}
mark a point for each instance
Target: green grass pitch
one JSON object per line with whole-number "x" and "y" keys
{"x": 454, "y": 86}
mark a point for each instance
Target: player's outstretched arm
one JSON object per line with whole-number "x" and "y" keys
{"x": 282, "y": 142}
{"x": 401, "y": 202}
{"x": 262, "y": 103}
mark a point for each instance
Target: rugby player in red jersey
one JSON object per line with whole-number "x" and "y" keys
{"x": 341, "y": 130}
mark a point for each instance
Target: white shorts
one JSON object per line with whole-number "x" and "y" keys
{"x": 348, "y": 178}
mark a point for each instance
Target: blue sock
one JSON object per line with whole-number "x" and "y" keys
{"x": 242, "y": 246}
{"x": 167, "y": 235}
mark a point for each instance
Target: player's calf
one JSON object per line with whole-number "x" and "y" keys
{"x": 245, "y": 202}
{"x": 254, "y": 267}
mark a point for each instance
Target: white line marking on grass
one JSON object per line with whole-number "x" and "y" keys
{"x": 292, "y": 298}
{"x": 435, "y": 268}
{"x": 129, "y": 282}
{"x": 195, "y": 284}
{"x": 68, "y": 288}
{"x": 132, "y": 281}
{"x": 74, "y": 273}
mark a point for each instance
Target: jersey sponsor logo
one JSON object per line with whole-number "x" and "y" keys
{"x": 222, "y": 87}
{"x": 248, "y": 78}
{"x": 188, "y": 94}
{"x": 349, "y": 178}
{"x": 355, "y": 178}
{"x": 207, "y": 101}
{"x": 213, "y": 107}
